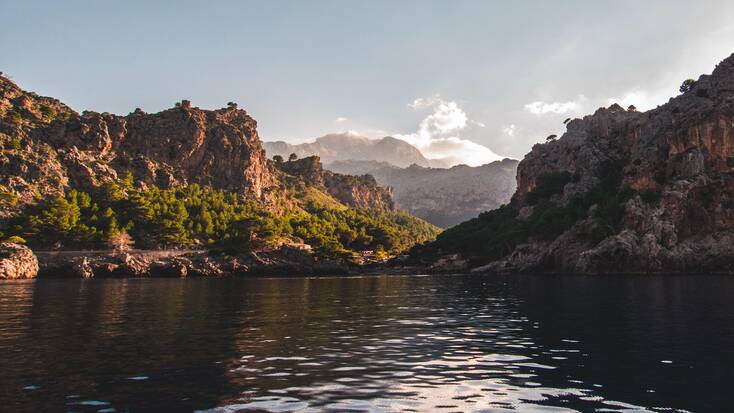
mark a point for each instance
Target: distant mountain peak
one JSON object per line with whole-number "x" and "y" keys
{"x": 352, "y": 146}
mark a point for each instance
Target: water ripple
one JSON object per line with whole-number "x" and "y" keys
{"x": 373, "y": 344}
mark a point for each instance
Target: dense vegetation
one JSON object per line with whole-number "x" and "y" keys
{"x": 195, "y": 216}
{"x": 496, "y": 233}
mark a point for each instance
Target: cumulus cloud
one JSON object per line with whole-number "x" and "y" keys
{"x": 422, "y": 103}
{"x": 541, "y": 108}
{"x": 341, "y": 119}
{"x": 509, "y": 130}
{"x": 438, "y": 134}
{"x": 447, "y": 117}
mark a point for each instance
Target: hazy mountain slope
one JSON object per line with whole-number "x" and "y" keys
{"x": 443, "y": 197}
{"x": 621, "y": 190}
{"x": 348, "y": 146}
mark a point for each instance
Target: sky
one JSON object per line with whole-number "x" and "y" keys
{"x": 466, "y": 80}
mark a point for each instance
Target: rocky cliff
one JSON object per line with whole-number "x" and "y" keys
{"x": 620, "y": 191}
{"x": 46, "y": 147}
{"x": 441, "y": 196}
{"x": 357, "y": 191}
{"x": 177, "y": 179}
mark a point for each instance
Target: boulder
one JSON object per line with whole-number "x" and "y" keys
{"x": 449, "y": 263}
{"x": 82, "y": 269}
{"x": 17, "y": 261}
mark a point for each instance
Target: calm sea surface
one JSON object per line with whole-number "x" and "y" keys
{"x": 382, "y": 343}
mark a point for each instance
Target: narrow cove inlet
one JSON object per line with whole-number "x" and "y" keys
{"x": 316, "y": 206}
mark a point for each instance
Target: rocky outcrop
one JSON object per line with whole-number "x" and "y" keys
{"x": 359, "y": 191}
{"x": 627, "y": 191}
{"x": 110, "y": 168}
{"x": 17, "y": 262}
{"x": 450, "y": 263}
{"x": 443, "y": 197}
{"x": 308, "y": 169}
{"x": 356, "y": 191}
{"x": 47, "y": 147}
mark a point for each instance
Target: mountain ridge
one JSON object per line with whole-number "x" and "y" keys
{"x": 350, "y": 146}
{"x": 620, "y": 191}
{"x": 442, "y": 196}
{"x": 177, "y": 178}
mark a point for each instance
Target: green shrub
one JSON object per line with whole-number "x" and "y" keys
{"x": 549, "y": 221}
{"x": 547, "y": 185}
{"x": 15, "y": 118}
{"x": 687, "y": 85}
{"x": 48, "y": 112}
{"x": 626, "y": 193}
{"x": 8, "y": 199}
{"x": 651, "y": 196}
{"x": 164, "y": 218}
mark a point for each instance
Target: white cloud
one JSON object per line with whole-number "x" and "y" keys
{"x": 341, "y": 119}
{"x": 438, "y": 134}
{"x": 447, "y": 117}
{"x": 642, "y": 99}
{"x": 509, "y": 130}
{"x": 422, "y": 103}
{"x": 541, "y": 108}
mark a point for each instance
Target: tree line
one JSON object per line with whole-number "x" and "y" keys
{"x": 118, "y": 214}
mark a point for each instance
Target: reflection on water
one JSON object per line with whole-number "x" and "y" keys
{"x": 459, "y": 343}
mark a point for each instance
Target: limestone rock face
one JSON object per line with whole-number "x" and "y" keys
{"x": 357, "y": 191}
{"x": 678, "y": 162}
{"x": 683, "y": 150}
{"x": 309, "y": 169}
{"x": 47, "y": 146}
{"x": 360, "y": 191}
{"x": 17, "y": 261}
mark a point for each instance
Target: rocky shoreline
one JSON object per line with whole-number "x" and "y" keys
{"x": 19, "y": 262}
{"x": 694, "y": 260}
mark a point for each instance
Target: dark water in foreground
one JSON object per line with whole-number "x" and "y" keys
{"x": 390, "y": 343}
